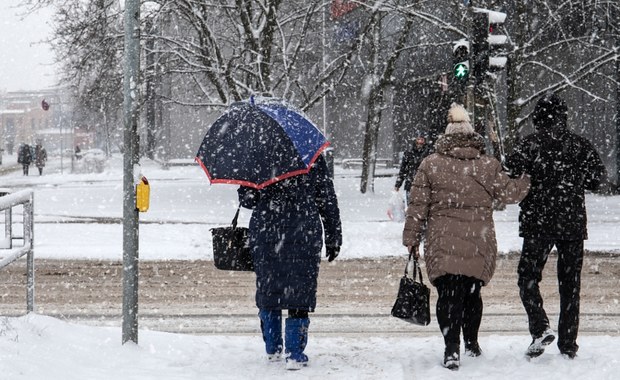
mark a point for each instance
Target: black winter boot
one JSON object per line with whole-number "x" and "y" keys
{"x": 537, "y": 347}
{"x": 451, "y": 357}
{"x": 472, "y": 349}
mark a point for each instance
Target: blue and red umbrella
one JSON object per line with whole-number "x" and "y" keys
{"x": 258, "y": 143}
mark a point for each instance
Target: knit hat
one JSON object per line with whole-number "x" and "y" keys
{"x": 550, "y": 110}
{"x": 458, "y": 120}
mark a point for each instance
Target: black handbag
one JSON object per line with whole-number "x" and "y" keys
{"x": 231, "y": 250}
{"x": 413, "y": 300}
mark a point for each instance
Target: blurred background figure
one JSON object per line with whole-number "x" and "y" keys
{"x": 409, "y": 164}
{"x": 24, "y": 157}
{"x": 40, "y": 156}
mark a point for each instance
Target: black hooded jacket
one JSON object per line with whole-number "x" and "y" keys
{"x": 562, "y": 165}
{"x": 409, "y": 165}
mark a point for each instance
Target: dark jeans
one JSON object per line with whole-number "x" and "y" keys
{"x": 570, "y": 260}
{"x": 459, "y": 306}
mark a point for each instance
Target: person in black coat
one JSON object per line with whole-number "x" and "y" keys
{"x": 410, "y": 163}
{"x": 286, "y": 238}
{"x": 24, "y": 157}
{"x": 562, "y": 166}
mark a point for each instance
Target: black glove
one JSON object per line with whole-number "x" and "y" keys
{"x": 332, "y": 253}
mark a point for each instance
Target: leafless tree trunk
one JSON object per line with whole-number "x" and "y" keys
{"x": 376, "y": 101}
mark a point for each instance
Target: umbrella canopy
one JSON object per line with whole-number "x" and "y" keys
{"x": 256, "y": 144}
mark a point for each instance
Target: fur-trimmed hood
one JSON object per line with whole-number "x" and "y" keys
{"x": 464, "y": 146}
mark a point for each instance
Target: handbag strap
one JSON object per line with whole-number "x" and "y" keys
{"x": 234, "y": 221}
{"x": 416, "y": 267}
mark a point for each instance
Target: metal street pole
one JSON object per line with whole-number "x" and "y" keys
{"x": 61, "y": 137}
{"x": 130, "y": 158}
{"x": 329, "y": 152}
{"x": 470, "y": 90}
{"x": 617, "y": 190}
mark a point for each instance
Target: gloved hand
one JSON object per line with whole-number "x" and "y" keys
{"x": 332, "y": 253}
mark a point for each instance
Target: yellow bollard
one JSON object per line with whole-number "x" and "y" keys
{"x": 143, "y": 194}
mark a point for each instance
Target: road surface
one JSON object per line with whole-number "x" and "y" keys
{"x": 355, "y": 296}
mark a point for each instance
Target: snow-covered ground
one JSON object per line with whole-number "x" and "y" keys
{"x": 43, "y": 348}
{"x": 183, "y": 208}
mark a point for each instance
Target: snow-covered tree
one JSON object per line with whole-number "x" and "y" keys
{"x": 567, "y": 47}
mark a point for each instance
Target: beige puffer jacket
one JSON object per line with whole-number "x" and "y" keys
{"x": 452, "y": 204}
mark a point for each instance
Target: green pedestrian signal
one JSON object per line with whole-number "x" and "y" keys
{"x": 461, "y": 70}
{"x": 460, "y": 61}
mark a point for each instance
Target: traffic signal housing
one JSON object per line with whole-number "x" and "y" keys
{"x": 489, "y": 42}
{"x": 460, "y": 61}
{"x": 497, "y": 41}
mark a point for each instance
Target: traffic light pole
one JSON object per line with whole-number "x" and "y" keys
{"x": 130, "y": 158}
{"x": 480, "y": 47}
{"x": 617, "y": 125}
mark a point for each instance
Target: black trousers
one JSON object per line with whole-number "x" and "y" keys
{"x": 570, "y": 261}
{"x": 459, "y": 307}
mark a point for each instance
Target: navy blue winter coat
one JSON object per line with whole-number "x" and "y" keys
{"x": 286, "y": 236}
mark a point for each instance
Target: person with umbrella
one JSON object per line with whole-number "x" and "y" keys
{"x": 275, "y": 154}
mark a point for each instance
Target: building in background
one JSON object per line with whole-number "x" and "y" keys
{"x": 31, "y": 117}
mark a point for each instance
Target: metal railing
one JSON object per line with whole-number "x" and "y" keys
{"x": 9, "y": 251}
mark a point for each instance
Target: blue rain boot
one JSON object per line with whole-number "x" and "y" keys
{"x": 271, "y": 327}
{"x": 295, "y": 339}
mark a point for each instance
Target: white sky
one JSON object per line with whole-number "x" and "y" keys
{"x": 25, "y": 63}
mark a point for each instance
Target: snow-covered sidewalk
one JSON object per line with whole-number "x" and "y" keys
{"x": 184, "y": 206}
{"x": 36, "y": 347}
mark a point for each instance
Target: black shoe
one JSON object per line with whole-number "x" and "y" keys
{"x": 473, "y": 349}
{"x": 451, "y": 358}
{"x": 537, "y": 347}
{"x": 569, "y": 354}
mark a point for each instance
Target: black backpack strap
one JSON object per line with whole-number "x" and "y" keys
{"x": 234, "y": 221}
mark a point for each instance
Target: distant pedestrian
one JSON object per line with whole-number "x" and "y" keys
{"x": 412, "y": 158}
{"x": 24, "y": 157}
{"x": 40, "y": 156}
{"x": 286, "y": 236}
{"x": 451, "y": 205}
{"x": 562, "y": 166}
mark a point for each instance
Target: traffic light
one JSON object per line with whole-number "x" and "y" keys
{"x": 480, "y": 50}
{"x": 488, "y": 42}
{"x": 497, "y": 41}
{"x": 460, "y": 62}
